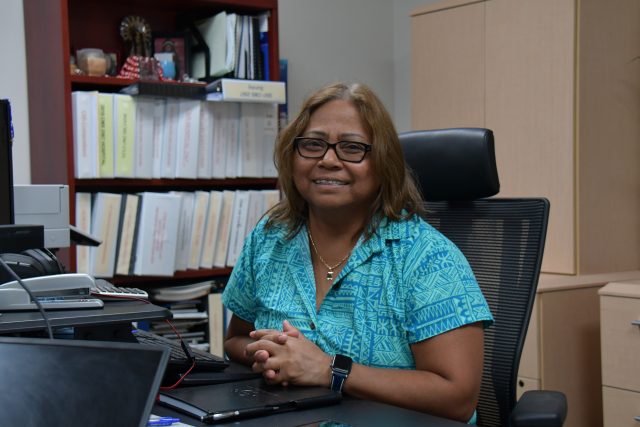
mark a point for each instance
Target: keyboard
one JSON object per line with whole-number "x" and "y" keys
{"x": 178, "y": 361}
{"x": 107, "y": 291}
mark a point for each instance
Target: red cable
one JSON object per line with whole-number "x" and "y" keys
{"x": 193, "y": 361}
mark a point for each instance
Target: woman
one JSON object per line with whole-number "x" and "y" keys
{"x": 345, "y": 266}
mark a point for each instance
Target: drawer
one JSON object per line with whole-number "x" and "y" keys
{"x": 620, "y": 407}
{"x": 620, "y": 341}
{"x": 526, "y": 384}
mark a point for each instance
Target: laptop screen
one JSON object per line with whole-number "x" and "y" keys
{"x": 78, "y": 383}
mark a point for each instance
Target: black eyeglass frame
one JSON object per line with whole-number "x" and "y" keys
{"x": 366, "y": 148}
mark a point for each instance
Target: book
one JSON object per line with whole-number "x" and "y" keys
{"x": 257, "y": 65}
{"x": 249, "y": 147}
{"x": 144, "y": 134}
{"x": 271, "y": 197}
{"x": 283, "y": 109}
{"x": 124, "y": 120}
{"x": 159, "y": 106}
{"x": 215, "y": 32}
{"x": 232, "y": 42}
{"x": 221, "y": 113}
{"x": 258, "y": 132}
{"x": 189, "y": 315}
{"x": 205, "y": 141}
{"x": 216, "y": 324}
{"x": 242, "y": 48}
{"x": 264, "y": 45}
{"x": 170, "y": 139}
{"x": 105, "y": 220}
{"x": 83, "y": 222}
{"x": 187, "y": 139}
{"x": 128, "y": 222}
{"x": 187, "y": 202}
{"x": 229, "y": 136}
{"x": 85, "y": 137}
{"x": 222, "y": 244}
{"x": 182, "y": 292}
{"x": 211, "y": 230}
{"x": 238, "y": 90}
{"x": 238, "y": 226}
{"x": 157, "y": 234}
{"x": 198, "y": 225}
{"x": 105, "y": 135}
{"x": 256, "y": 208}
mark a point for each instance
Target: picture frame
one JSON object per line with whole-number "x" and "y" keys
{"x": 178, "y": 43}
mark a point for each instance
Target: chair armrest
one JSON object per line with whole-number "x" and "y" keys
{"x": 540, "y": 408}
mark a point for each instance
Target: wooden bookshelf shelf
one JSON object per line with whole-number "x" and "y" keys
{"x": 180, "y": 276}
{"x": 80, "y": 81}
{"x": 137, "y": 185}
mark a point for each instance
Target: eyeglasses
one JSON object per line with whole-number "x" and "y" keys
{"x": 316, "y": 148}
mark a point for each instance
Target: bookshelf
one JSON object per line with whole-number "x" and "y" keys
{"x": 54, "y": 31}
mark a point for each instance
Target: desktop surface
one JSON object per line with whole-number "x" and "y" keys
{"x": 349, "y": 412}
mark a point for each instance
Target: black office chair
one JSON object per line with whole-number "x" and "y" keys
{"x": 503, "y": 239}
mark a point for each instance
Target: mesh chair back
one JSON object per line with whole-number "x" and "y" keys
{"x": 503, "y": 239}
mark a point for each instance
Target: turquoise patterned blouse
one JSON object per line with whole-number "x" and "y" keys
{"x": 404, "y": 284}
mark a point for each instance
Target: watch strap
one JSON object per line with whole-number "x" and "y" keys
{"x": 340, "y": 370}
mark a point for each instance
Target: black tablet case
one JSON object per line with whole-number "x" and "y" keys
{"x": 248, "y": 398}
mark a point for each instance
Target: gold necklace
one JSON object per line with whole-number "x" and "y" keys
{"x": 329, "y": 268}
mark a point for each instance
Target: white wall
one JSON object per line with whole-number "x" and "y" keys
{"x": 352, "y": 40}
{"x": 331, "y": 40}
{"x": 13, "y": 84}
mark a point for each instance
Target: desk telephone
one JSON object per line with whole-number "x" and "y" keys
{"x": 45, "y": 277}
{"x": 58, "y": 291}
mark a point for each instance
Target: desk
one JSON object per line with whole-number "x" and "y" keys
{"x": 101, "y": 323}
{"x": 351, "y": 411}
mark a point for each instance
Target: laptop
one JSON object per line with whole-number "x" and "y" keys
{"x": 78, "y": 383}
{"x": 242, "y": 399}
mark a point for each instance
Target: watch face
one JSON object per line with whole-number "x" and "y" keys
{"x": 342, "y": 362}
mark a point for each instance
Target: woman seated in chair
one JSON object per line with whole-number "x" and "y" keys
{"x": 343, "y": 284}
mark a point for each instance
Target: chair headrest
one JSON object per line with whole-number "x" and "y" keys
{"x": 452, "y": 164}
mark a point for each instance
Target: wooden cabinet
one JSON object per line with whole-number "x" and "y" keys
{"x": 562, "y": 347}
{"x": 558, "y": 82}
{"x": 56, "y": 29}
{"x": 620, "y": 339}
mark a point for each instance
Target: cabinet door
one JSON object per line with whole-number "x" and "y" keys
{"x": 530, "y": 107}
{"x": 447, "y": 68}
{"x": 570, "y": 351}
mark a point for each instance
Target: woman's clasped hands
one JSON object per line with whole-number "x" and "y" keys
{"x": 287, "y": 357}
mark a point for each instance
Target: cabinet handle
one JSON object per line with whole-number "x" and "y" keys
{"x": 635, "y": 323}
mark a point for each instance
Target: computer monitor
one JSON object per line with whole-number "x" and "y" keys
{"x": 6, "y": 165}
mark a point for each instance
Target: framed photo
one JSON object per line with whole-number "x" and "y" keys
{"x": 176, "y": 43}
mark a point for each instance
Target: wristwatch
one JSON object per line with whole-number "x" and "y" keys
{"x": 340, "y": 369}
